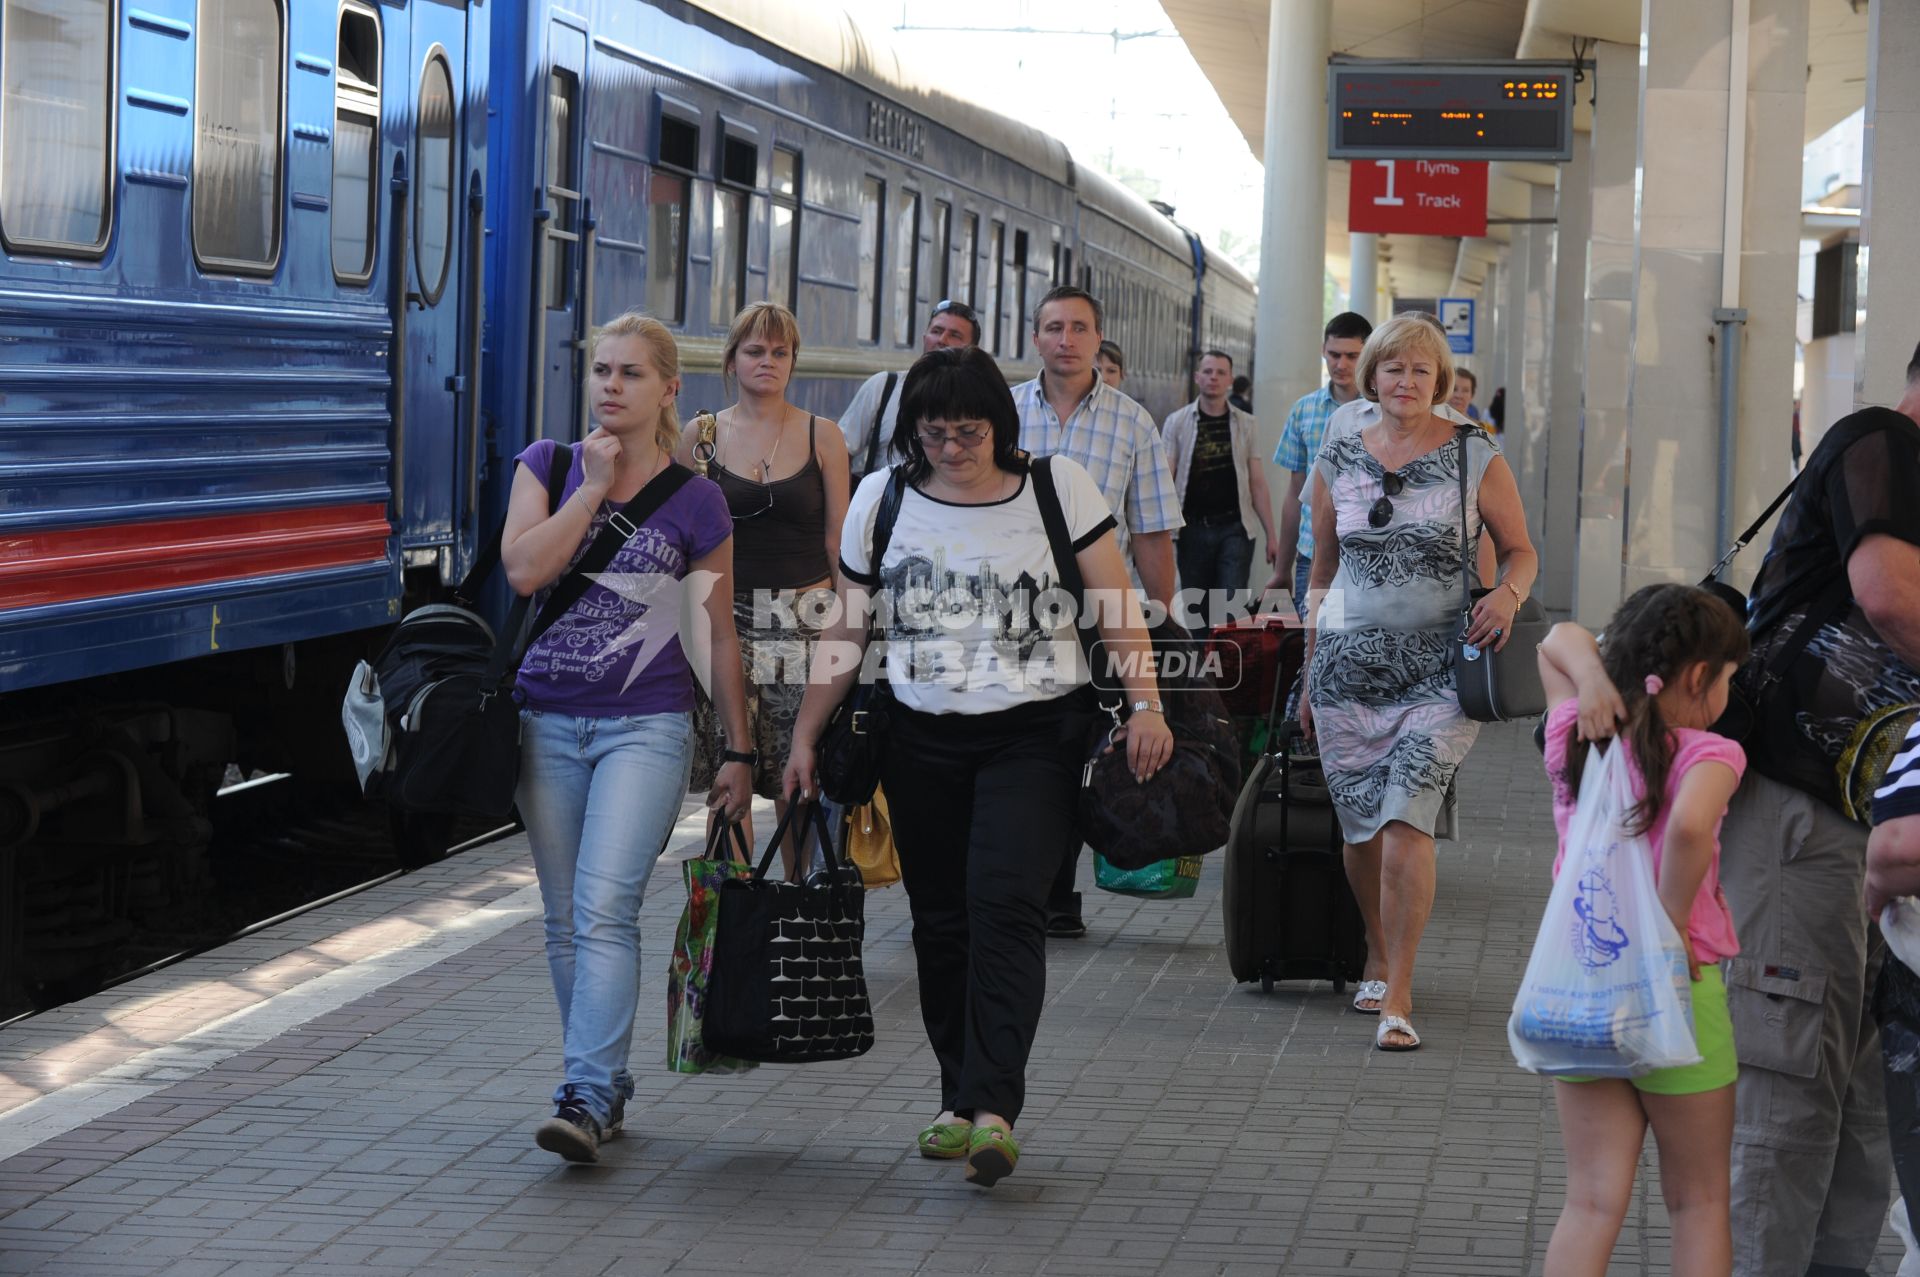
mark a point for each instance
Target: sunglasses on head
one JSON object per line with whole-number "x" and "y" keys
{"x": 960, "y": 308}
{"x": 1382, "y": 512}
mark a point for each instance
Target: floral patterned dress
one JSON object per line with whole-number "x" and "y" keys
{"x": 1384, "y": 704}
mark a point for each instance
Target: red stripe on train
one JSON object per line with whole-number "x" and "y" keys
{"x": 66, "y": 564}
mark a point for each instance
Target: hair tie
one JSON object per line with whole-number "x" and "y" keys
{"x": 1653, "y": 684}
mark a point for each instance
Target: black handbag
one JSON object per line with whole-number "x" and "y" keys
{"x": 1495, "y": 686}
{"x": 788, "y": 985}
{"x": 854, "y": 741}
{"x": 457, "y": 749}
{"x": 1186, "y": 809}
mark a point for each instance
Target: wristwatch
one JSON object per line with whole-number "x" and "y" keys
{"x": 750, "y": 757}
{"x": 1155, "y": 706}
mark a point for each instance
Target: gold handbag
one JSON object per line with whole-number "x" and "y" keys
{"x": 704, "y": 448}
{"x": 870, "y": 842}
{"x": 1862, "y": 765}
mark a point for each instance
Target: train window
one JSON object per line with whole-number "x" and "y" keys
{"x": 667, "y": 201}
{"x": 679, "y": 143}
{"x": 942, "y": 249}
{"x": 739, "y": 161}
{"x": 563, "y": 185}
{"x": 996, "y": 268}
{"x": 434, "y": 163}
{"x": 356, "y": 144}
{"x": 739, "y": 170}
{"x": 56, "y": 190}
{"x": 237, "y": 153}
{"x": 906, "y": 264}
{"x": 969, "y": 282}
{"x": 783, "y": 239}
{"x": 729, "y": 261}
{"x": 873, "y": 203}
{"x": 1019, "y": 294}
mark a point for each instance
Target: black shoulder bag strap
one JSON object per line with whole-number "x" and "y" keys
{"x": 873, "y": 433}
{"x": 884, "y": 518}
{"x": 1466, "y": 552}
{"x": 1740, "y": 542}
{"x": 1822, "y": 608}
{"x": 1053, "y": 517}
{"x": 624, "y": 524}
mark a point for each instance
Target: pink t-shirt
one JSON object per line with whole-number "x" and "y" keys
{"x": 1710, "y": 925}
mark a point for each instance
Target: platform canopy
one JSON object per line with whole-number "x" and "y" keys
{"x": 1229, "y": 40}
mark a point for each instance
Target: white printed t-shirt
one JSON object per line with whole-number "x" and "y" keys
{"x": 968, "y": 594}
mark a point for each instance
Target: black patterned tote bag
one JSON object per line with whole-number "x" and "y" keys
{"x": 788, "y": 986}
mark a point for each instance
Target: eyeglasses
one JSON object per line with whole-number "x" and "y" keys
{"x": 949, "y": 306}
{"x": 965, "y": 436}
{"x": 766, "y": 490}
{"x": 1382, "y": 512}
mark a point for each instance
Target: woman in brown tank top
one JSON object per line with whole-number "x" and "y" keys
{"x": 785, "y": 482}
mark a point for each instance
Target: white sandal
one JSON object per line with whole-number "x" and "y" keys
{"x": 1374, "y": 991}
{"x": 1395, "y": 1024}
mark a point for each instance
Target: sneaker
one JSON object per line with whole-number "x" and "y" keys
{"x": 616, "y": 1121}
{"x": 1066, "y": 926}
{"x": 572, "y": 1131}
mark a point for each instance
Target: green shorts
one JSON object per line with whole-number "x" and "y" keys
{"x": 1712, "y": 1033}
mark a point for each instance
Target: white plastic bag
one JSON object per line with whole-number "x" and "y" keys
{"x": 1606, "y": 993}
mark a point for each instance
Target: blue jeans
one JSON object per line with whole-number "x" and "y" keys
{"x": 1214, "y": 556}
{"x": 599, "y": 797}
{"x": 1302, "y": 571}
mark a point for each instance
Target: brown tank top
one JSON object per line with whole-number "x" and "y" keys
{"x": 779, "y": 528}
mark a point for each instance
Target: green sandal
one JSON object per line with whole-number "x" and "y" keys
{"x": 992, "y": 1153}
{"x": 945, "y": 1141}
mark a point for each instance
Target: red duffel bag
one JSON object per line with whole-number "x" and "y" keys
{"x": 1261, "y": 650}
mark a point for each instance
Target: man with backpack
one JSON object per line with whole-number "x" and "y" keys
{"x": 1835, "y": 618}
{"x": 870, "y": 419}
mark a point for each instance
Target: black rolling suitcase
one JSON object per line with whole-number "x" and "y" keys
{"x": 1288, "y": 910}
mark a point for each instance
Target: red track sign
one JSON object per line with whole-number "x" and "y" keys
{"x": 1418, "y": 197}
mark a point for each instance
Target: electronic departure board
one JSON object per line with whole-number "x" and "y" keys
{"x": 1450, "y": 110}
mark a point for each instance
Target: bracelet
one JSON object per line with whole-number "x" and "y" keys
{"x": 749, "y": 757}
{"x": 1518, "y": 598}
{"x": 1145, "y": 707}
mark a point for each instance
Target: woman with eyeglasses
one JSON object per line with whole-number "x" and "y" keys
{"x": 1383, "y": 601}
{"x": 785, "y": 480}
{"x": 987, "y": 738}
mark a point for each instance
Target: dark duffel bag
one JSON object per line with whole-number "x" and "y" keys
{"x": 788, "y": 985}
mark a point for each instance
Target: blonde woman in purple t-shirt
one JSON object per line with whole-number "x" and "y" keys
{"x": 606, "y": 699}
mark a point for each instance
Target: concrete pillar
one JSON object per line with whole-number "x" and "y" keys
{"x": 1527, "y": 431}
{"x": 1675, "y": 455}
{"x": 1363, "y": 285}
{"x": 1560, "y": 516}
{"x": 1514, "y": 283}
{"x": 1293, "y": 234}
{"x": 1608, "y": 347}
{"x": 1493, "y": 365}
{"x": 1887, "y": 332}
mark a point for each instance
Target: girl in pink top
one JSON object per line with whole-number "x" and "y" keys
{"x": 1655, "y": 686}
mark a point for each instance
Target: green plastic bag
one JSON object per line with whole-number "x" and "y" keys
{"x": 1161, "y": 880}
{"x": 692, "y": 965}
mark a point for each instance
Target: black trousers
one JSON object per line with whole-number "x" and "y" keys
{"x": 983, "y": 810}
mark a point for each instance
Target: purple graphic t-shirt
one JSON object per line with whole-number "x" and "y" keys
{"x": 617, "y": 651}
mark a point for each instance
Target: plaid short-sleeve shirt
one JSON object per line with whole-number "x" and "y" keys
{"x": 1299, "y": 445}
{"x": 1118, "y": 443}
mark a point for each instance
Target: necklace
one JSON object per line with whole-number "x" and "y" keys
{"x": 765, "y": 466}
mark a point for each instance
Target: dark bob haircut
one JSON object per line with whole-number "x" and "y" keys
{"x": 960, "y": 384}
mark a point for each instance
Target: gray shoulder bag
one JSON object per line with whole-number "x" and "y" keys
{"x": 1495, "y": 687}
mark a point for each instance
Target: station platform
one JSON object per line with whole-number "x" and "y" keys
{"x": 354, "y": 1090}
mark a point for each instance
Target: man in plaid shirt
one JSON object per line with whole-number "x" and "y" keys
{"x": 1340, "y": 345}
{"x": 1069, "y": 410}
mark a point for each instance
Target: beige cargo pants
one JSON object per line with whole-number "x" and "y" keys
{"x": 1811, "y": 1169}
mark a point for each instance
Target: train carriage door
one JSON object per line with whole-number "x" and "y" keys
{"x": 428, "y": 268}
{"x": 563, "y": 241}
